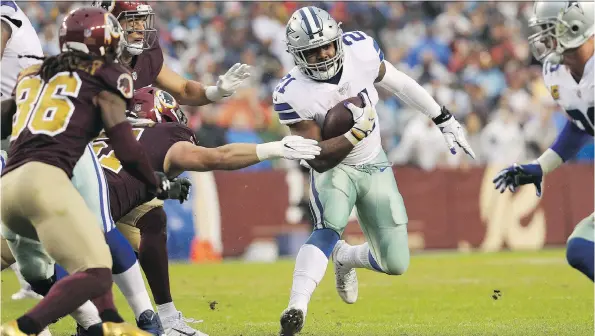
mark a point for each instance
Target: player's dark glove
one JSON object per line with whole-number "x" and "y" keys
{"x": 177, "y": 188}
{"x": 518, "y": 175}
{"x": 180, "y": 189}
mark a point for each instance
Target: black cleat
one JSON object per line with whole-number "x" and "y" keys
{"x": 292, "y": 321}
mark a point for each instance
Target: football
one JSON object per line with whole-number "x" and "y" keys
{"x": 339, "y": 120}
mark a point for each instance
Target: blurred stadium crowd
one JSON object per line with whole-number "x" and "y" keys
{"x": 472, "y": 57}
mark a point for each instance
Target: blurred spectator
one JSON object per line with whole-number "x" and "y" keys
{"x": 473, "y": 57}
{"x": 502, "y": 140}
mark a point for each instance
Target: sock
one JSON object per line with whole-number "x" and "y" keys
{"x": 358, "y": 256}
{"x": 133, "y": 288}
{"x": 152, "y": 253}
{"x": 123, "y": 255}
{"x": 166, "y": 310}
{"x": 310, "y": 266}
{"x": 24, "y": 284}
{"x": 579, "y": 254}
{"x": 324, "y": 239}
{"x": 86, "y": 315}
{"x": 68, "y": 294}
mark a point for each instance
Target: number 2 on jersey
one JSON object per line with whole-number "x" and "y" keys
{"x": 44, "y": 108}
{"x": 109, "y": 160}
{"x": 354, "y": 36}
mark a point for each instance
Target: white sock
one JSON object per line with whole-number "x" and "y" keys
{"x": 133, "y": 288}
{"x": 24, "y": 284}
{"x": 166, "y": 310}
{"x": 86, "y": 315}
{"x": 310, "y": 266}
{"x": 355, "y": 257}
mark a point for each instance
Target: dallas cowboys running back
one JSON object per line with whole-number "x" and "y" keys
{"x": 564, "y": 41}
{"x": 352, "y": 169}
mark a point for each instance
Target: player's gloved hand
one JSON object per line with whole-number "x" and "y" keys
{"x": 364, "y": 119}
{"x": 177, "y": 188}
{"x": 229, "y": 82}
{"x": 518, "y": 175}
{"x": 292, "y": 147}
{"x": 453, "y": 132}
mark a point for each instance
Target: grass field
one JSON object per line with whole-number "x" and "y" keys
{"x": 441, "y": 294}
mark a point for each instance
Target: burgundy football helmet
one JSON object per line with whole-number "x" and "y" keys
{"x": 157, "y": 105}
{"x": 136, "y": 17}
{"x": 93, "y": 31}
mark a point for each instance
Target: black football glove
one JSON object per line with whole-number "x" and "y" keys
{"x": 177, "y": 188}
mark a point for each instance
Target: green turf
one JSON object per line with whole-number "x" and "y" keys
{"x": 441, "y": 294}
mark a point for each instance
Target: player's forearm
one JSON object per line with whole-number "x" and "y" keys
{"x": 570, "y": 140}
{"x": 408, "y": 90}
{"x": 193, "y": 94}
{"x": 333, "y": 151}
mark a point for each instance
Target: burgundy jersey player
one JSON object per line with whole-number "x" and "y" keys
{"x": 145, "y": 57}
{"x": 160, "y": 126}
{"x": 58, "y": 108}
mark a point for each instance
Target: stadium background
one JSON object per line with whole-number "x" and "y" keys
{"x": 472, "y": 57}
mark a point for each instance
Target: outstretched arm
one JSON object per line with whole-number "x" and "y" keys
{"x": 408, "y": 90}
{"x": 189, "y": 92}
{"x": 185, "y": 156}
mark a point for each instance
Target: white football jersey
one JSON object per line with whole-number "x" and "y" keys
{"x": 23, "y": 41}
{"x": 298, "y": 97}
{"x": 576, "y": 98}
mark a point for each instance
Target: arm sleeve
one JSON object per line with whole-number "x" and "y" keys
{"x": 408, "y": 90}
{"x": 569, "y": 141}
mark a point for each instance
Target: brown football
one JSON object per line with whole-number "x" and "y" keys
{"x": 339, "y": 120}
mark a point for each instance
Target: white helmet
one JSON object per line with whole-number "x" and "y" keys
{"x": 559, "y": 26}
{"x": 310, "y": 28}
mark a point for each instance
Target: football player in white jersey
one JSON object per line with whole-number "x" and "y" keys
{"x": 18, "y": 37}
{"x": 352, "y": 169}
{"x": 564, "y": 42}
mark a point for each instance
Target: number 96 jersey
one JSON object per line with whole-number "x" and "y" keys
{"x": 576, "y": 98}
{"x": 56, "y": 119}
{"x": 298, "y": 97}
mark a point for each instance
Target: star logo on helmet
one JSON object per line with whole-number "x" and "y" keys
{"x": 574, "y": 4}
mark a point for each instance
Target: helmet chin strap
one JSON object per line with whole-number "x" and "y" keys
{"x": 135, "y": 49}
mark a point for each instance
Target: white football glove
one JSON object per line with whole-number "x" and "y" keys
{"x": 453, "y": 132}
{"x": 291, "y": 147}
{"x": 364, "y": 119}
{"x": 229, "y": 82}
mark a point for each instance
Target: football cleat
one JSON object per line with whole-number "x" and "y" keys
{"x": 177, "y": 325}
{"x": 122, "y": 329}
{"x": 345, "y": 277}
{"x": 292, "y": 321}
{"x": 150, "y": 322}
{"x": 26, "y": 293}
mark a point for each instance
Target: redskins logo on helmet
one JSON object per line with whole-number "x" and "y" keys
{"x": 157, "y": 105}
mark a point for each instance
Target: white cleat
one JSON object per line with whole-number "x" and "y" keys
{"x": 345, "y": 278}
{"x": 26, "y": 293}
{"x": 177, "y": 325}
{"x": 292, "y": 321}
{"x": 45, "y": 332}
